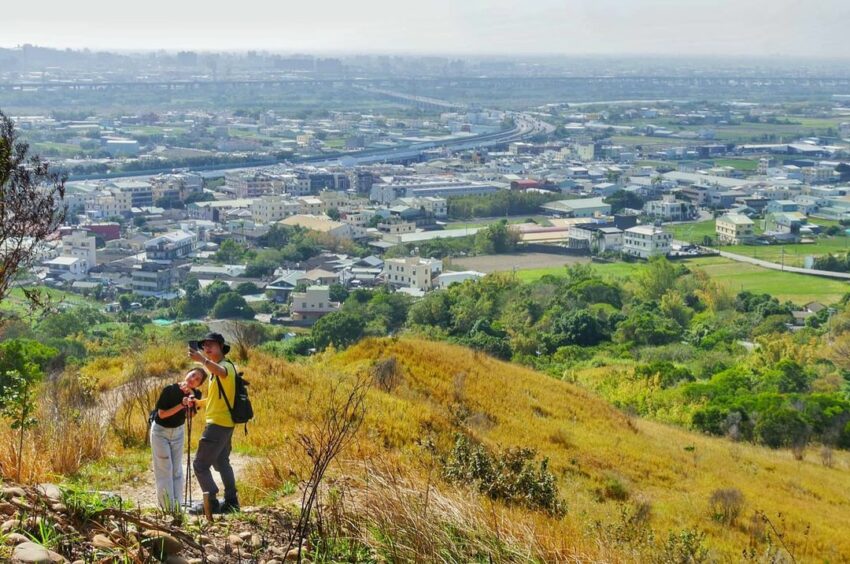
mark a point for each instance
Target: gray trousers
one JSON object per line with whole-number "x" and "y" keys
{"x": 214, "y": 450}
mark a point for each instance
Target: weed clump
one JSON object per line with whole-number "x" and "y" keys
{"x": 726, "y": 505}
{"x": 511, "y": 476}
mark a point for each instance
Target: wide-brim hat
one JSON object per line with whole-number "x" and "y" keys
{"x": 218, "y": 338}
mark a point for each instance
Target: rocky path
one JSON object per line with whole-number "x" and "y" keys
{"x": 141, "y": 491}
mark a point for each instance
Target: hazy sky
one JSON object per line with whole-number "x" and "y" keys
{"x": 669, "y": 27}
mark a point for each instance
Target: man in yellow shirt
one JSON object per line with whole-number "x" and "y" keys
{"x": 215, "y": 445}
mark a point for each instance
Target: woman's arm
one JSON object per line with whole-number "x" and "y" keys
{"x": 166, "y": 413}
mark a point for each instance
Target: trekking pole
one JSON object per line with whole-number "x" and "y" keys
{"x": 187, "y": 494}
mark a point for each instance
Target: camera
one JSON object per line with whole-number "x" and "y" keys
{"x": 195, "y": 345}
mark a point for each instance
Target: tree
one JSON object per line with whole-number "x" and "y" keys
{"x": 338, "y": 293}
{"x": 22, "y": 364}
{"x": 433, "y": 310}
{"x": 333, "y": 213}
{"x": 339, "y": 329}
{"x": 125, "y": 300}
{"x": 621, "y": 199}
{"x": 70, "y": 322}
{"x": 230, "y": 252}
{"x": 496, "y": 238}
{"x": 31, "y": 210}
{"x": 199, "y": 197}
{"x": 231, "y": 305}
{"x": 644, "y": 326}
{"x": 656, "y": 278}
{"x": 216, "y": 289}
{"x": 579, "y": 328}
{"x": 781, "y": 427}
{"x": 247, "y": 289}
{"x": 194, "y": 303}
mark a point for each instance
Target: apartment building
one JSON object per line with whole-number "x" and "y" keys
{"x": 269, "y": 209}
{"x": 646, "y": 241}
{"x": 734, "y": 229}
{"x": 81, "y": 244}
{"x": 412, "y": 272}
{"x": 313, "y": 303}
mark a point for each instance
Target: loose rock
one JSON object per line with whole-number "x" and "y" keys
{"x": 235, "y": 540}
{"x": 12, "y": 491}
{"x": 31, "y": 553}
{"x": 161, "y": 543}
{"x": 13, "y": 539}
{"x": 102, "y": 541}
{"x": 9, "y": 525}
{"x": 52, "y": 491}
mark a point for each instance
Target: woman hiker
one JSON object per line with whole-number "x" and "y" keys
{"x": 175, "y": 403}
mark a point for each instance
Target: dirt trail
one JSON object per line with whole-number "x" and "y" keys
{"x": 141, "y": 491}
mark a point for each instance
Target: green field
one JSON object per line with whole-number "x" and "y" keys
{"x": 15, "y": 301}
{"x": 798, "y": 288}
{"x": 59, "y": 149}
{"x": 795, "y": 254}
{"x": 692, "y": 232}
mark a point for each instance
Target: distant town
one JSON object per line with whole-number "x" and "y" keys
{"x": 292, "y": 211}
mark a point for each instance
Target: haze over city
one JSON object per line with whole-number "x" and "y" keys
{"x": 577, "y": 27}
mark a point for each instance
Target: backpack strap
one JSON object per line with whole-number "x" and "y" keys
{"x": 221, "y": 392}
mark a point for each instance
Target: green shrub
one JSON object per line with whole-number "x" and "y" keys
{"x": 511, "y": 476}
{"x": 615, "y": 489}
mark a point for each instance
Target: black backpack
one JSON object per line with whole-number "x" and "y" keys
{"x": 241, "y": 410}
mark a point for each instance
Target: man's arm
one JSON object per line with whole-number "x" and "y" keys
{"x": 216, "y": 368}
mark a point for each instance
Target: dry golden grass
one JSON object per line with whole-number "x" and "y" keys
{"x": 54, "y": 447}
{"x": 588, "y": 442}
{"x": 159, "y": 360}
{"x": 438, "y": 389}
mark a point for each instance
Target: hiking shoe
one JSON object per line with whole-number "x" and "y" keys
{"x": 229, "y": 507}
{"x": 198, "y": 508}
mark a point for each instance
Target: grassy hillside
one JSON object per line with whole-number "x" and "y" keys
{"x": 619, "y": 476}
{"x": 631, "y": 489}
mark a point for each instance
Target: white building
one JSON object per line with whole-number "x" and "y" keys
{"x": 670, "y": 209}
{"x": 269, "y": 209}
{"x": 312, "y": 303}
{"x": 252, "y": 184}
{"x": 68, "y": 268}
{"x": 412, "y": 272}
{"x": 80, "y": 244}
{"x": 646, "y": 241}
{"x": 175, "y": 245}
{"x": 438, "y": 207}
